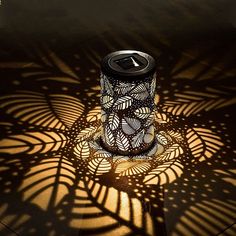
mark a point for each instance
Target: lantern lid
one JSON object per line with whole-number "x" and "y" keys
{"x": 128, "y": 64}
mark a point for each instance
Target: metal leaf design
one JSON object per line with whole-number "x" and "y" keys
{"x": 149, "y": 120}
{"x": 107, "y": 101}
{"x": 122, "y": 141}
{"x": 130, "y": 125}
{"x": 103, "y": 116}
{"x": 109, "y": 137}
{"x": 203, "y": 143}
{"x": 99, "y": 166}
{"x": 113, "y": 121}
{"x": 149, "y": 135}
{"x": 126, "y": 168}
{"x": 108, "y": 87}
{"x": 123, "y": 88}
{"x": 165, "y": 173}
{"x": 153, "y": 87}
{"x": 82, "y": 150}
{"x": 33, "y": 142}
{"x": 143, "y": 112}
{"x": 123, "y": 102}
{"x": 140, "y": 92}
{"x": 138, "y": 139}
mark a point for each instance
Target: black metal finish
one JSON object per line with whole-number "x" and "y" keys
{"x": 128, "y": 64}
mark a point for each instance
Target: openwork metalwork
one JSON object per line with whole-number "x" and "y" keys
{"x": 127, "y": 114}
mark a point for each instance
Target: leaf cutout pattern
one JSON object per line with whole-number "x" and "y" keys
{"x": 149, "y": 135}
{"x": 174, "y": 151}
{"x": 99, "y": 166}
{"x": 94, "y": 114}
{"x": 203, "y": 143}
{"x": 113, "y": 121}
{"x": 94, "y": 145}
{"x": 162, "y": 139}
{"x": 109, "y": 137}
{"x": 153, "y": 86}
{"x": 47, "y": 182}
{"x": 103, "y": 116}
{"x": 33, "y": 142}
{"x": 122, "y": 141}
{"x": 137, "y": 140}
{"x": 130, "y": 125}
{"x": 123, "y": 88}
{"x": 127, "y": 168}
{"x": 107, "y": 101}
{"x": 82, "y": 150}
{"x": 123, "y": 102}
{"x": 108, "y": 87}
{"x": 140, "y": 92}
{"x": 143, "y": 112}
{"x": 33, "y": 108}
{"x": 86, "y": 133}
{"x": 149, "y": 120}
{"x": 161, "y": 118}
{"x": 164, "y": 174}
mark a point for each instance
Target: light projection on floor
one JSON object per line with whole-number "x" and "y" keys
{"x": 52, "y": 165}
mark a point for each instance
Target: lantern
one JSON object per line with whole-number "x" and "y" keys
{"x": 127, "y": 102}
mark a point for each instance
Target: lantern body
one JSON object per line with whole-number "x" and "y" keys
{"x": 127, "y": 102}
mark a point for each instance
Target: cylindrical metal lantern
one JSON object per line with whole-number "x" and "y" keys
{"x": 128, "y": 85}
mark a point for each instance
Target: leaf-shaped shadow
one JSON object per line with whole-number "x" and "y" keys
{"x": 57, "y": 111}
{"x": 16, "y": 221}
{"x": 33, "y": 142}
{"x": 82, "y": 150}
{"x": 209, "y": 217}
{"x": 94, "y": 114}
{"x": 170, "y": 153}
{"x": 126, "y": 168}
{"x": 161, "y": 118}
{"x": 165, "y": 173}
{"x": 86, "y": 133}
{"x": 48, "y": 182}
{"x": 203, "y": 143}
{"x": 228, "y": 175}
{"x": 99, "y": 208}
{"x": 99, "y": 166}
{"x": 192, "y": 102}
